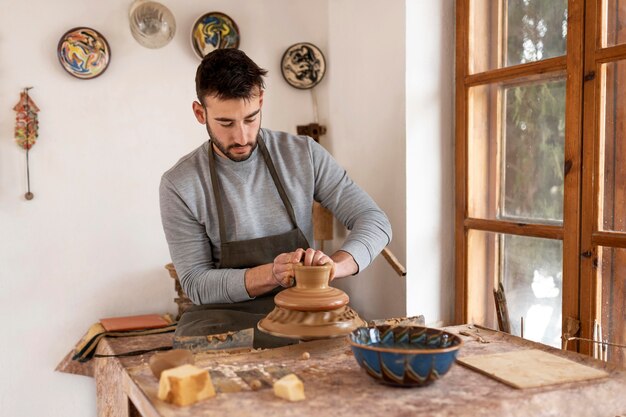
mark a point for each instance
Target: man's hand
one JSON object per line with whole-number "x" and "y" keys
{"x": 263, "y": 278}
{"x": 314, "y": 257}
{"x": 282, "y": 268}
{"x": 283, "y": 264}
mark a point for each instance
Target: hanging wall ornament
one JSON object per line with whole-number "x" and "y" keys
{"x": 151, "y": 23}
{"x": 213, "y": 31}
{"x": 83, "y": 52}
{"x": 303, "y": 65}
{"x": 26, "y": 129}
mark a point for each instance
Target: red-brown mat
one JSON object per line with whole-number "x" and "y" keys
{"x": 146, "y": 321}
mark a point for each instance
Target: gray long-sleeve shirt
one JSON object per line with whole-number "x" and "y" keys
{"x": 253, "y": 208}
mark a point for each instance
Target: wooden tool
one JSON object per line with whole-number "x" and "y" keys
{"x": 393, "y": 261}
{"x": 476, "y": 336}
{"x": 235, "y": 341}
{"x": 502, "y": 309}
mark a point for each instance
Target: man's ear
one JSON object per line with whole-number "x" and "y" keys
{"x": 198, "y": 111}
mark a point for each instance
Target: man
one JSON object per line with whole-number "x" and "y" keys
{"x": 237, "y": 211}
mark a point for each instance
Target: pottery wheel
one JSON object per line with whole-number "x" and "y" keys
{"x": 312, "y": 309}
{"x": 311, "y": 300}
{"x": 308, "y": 325}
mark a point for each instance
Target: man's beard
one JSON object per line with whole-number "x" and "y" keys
{"x": 226, "y": 150}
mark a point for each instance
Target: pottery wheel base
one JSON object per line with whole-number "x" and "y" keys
{"x": 310, "y": 324}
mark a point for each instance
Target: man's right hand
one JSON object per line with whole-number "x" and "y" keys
{"x": 264, "y": 278}
{"x": 283, "y": 264}
{"x": 282, "y": 268}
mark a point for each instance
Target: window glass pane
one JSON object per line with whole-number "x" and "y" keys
{"x": 505, "y": 33}
{"x": 614, "y": 22}
{"x": 534, "y": 143}
{"x": 536, "y": 30}
{"x": 516, "y": 137}
{"x": 613, "y": 142}
{"x": 531, "y": 273}
{"x": 613, "y": 319}
{"x": 532, "y": 276}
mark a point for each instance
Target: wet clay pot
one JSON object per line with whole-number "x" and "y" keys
{"x": 311, "y": 309}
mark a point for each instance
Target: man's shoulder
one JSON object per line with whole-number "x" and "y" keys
{"x": 189, "y": 164}
{"x": 284, "y": 141}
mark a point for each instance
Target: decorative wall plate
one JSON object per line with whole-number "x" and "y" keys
{"x": 213, "y": 31}
{"x": 83, "y": 52}
{"x": 303, "y": 65}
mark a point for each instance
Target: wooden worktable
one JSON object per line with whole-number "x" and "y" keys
{"x": 336, "y": 386}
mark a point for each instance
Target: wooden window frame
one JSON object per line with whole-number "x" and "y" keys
{"x": 569, "y": 231}
{"x": 581, "y": 230}
{"x": 593, "y": 237}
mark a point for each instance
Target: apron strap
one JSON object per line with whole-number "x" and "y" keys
{"x": 218, "y": 195}
{"x": 277, "y": 181}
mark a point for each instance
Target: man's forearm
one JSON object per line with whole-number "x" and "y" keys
{"x": 345, "y": 264}
{"x": 259, "y": 280}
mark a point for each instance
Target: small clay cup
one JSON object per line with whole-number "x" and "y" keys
{"x": 312, "y": 291}
{"x": 312, "y": 277}
{"x": 162, "y": 361}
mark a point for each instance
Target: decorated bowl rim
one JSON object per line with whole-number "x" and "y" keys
{"x": 410, "y": 351}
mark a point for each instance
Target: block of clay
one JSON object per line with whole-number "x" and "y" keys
{"x": 185, "y": 385}
{"x": 289, "y": 387}
{"x": 161, "y": 361}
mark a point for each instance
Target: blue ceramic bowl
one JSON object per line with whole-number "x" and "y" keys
{"x": 407, "y": 356}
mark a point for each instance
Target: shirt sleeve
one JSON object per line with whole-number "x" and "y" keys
{"x": 370, "y": 230}
{"x": 190, "y": 249}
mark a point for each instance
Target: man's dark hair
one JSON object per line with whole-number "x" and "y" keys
{"x": 228, "y": 74}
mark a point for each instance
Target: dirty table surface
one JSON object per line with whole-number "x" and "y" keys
{"x": 336, "y": 386}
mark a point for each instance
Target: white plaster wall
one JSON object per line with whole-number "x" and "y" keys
{"x": 366, "y": 131}
{"x": 430, "y": 159}
{"x": 90, "y": 244}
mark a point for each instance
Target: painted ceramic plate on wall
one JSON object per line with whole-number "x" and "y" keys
{"x": 84, "y": 52}
{"x": 303, "y": 65}
{"x": 213, "y": 31}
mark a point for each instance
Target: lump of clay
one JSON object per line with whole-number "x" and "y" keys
{"x": 289, "y": 387}
{"x": 185, "y": 385}
{"x": 161, "y": 361}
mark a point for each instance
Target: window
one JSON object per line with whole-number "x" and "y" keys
{"x": 541, "y": 166}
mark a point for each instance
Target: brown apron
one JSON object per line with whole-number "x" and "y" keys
{"x": 219, "y": 318}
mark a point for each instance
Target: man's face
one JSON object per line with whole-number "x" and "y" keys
{"x": 233, "y": 125}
